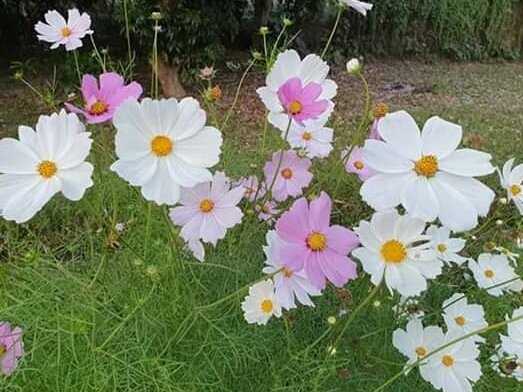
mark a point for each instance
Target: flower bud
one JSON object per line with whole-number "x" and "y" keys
{"x": 353, "y": 66}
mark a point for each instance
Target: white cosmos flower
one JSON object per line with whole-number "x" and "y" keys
{"x": 511, "y": 256}
{"x": 415, "y": 342}
{"x": 446, "y": 248}
{"x": 454, "y": 368}
{"x": 360, "y": 6}
{"x": 511, "y": 180}
{"x": 42, "y": 163}
{"x": 507, "y": 365}
{"x": 513, "y": 342}
{"x": 394, "y": 246}
{"x": 292, "y": 86}
{"x": 313, "y": 137}
{"x": 425, "y": 172}
{"x": 260, "y": 305}
{"x": 494, "y": 273}
{"x": 163, "y": 145}
{"x": 289, "y": 285}
{"x": 461, "y": 316}
{"x": 58, "y": 31}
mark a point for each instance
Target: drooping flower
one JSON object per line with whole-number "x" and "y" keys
{"x": 356, "y": 165}
{"x": 494, "y": 273}
{"x": 196, "y": 248}
{"x": 163, "y": 145}
{"x": 208, "y": 210}
{"x": 252, "y": 188}
{"x": 312, "y": 136}
{"x": 455, "y": 367}
{"x": 11, "y": 347}
{"x": 394, "y": 247}
{"x": 289, "y": 285}
{"x": 464, "y": 317}
{"x": 445, "y": 247}
{"x": 353, "y": 66}
{"x": 511, "y": 256}
{"x": 40, "y": 164}
{"x": 507, "y": 365}
{"x": 513, "y": 342}
{"x": 425, "y": 172}
{"x": 58, "y": 31}
{"x": 360, "y": 6}
{"x": 293, "y": 174}
{"x": 297, "y": 89}
{"x": 380, "y": 111}
{"x": 260, "y": 305}
{"x": 267, "y": 211}
{"x": 511, "y": 180}
{"x": 101, "y": 102}
{"x": 312, "y": 244}
{"x": 415, "y": 342}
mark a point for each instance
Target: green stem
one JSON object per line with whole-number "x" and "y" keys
{"x": 276, "y": 43}
{"x": 101, "y": 62}
{"x": 333, "y": 31}
{"x": 77, "y": 65}
{"x": 128, "y": 36}
{"x": 154, "y": 76}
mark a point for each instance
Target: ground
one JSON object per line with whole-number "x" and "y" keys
{"x": 104, "y": 311}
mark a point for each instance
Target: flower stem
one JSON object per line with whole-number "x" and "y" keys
{"x": 128, "y": 37}
{"x": 101, "y": 62}
{"x": 154, "y": 60}
{"x": 77, "y": 65}
{"x": 333, "y": 31}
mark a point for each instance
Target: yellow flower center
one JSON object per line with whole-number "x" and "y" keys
{"x": 162, "y": 146}
{"x": 426, "y": 166}
{"x": 460, "y": 320}
{"x": 286, "y": 173}
{"x": 358, "y": 165}
{"x": 447, "y": 360}
{"x": 287, "y": 272}
{"x": 267, "y": 306}
{"x": 489, "y": 273}
{"x": 97, "y": 108}
{"x": 206, "y": 205}
{"x": 295, "y": 107}
{"x": 381, "y": 110}
{"x": 66, "y": 32}
{"x": 215, "y": 93}
{"x": 47, "y": 169}
{"x": 442, "y": 248}
{"x": 515, "y": 189}
{"x": 420, "y": 352}
{"x": 317, "y": 241}
{"x": 248, "y": 191}
{"x": 393, "y": 251}
{"x": 306, "y": 136}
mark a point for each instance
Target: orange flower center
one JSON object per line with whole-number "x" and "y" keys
{"x": 489, "y": 273}
{"x": 426, "y": 166}
{"x": 287, "y": 272}
{"x": 97, "y": 108}
{"x": 286, "y": 173}
{"x": 447, "y": 360}
{"x": 267, "y": 306}
{"x": 442, "y": 248}
{"x": 460, "y": 320}
{"x": 161, "y": 146}
{"x": 47, "y": 169}
{"x": 515, "y": 190}
{"x": 358, "y": 165}
{"x": 66, "y": 32}
{"x": 381, "y": 110}
{"x": 306, "y": 136}
{"x": 420, "y": 351}
{"x": 295, "y": 107}
{"x": 206, "y": 205}
{"x": 393, "y": 252}
{"x": 317, "y": 241}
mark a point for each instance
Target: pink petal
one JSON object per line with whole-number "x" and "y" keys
{"x": 89, "y": 87}
{"x": 293, "y": 226}
{"x": 293, "y": 255}
{"x": 320, "y": 211}
{"x": 314, "y": 271}
{"x": 110, "y": 84}
{"x": 341, "y": 240}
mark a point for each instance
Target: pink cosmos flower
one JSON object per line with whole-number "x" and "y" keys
{"x": 11, "y": 347}
{"x": 355, "y": 164}
{"x": 101, "y": 102}
{"x": 208, "y": 210}
{"x": 59, "y": 32}
{"x": 267, "y": 211}
{"x": 292, "y": 177}
{"x": 301, "y": 101}
{"x": 315, "y": 246}
{"x": 252, "y": 187}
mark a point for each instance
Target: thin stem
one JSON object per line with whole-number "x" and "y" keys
{"x": 452, "y": 342}
{"x": 276, "y": 43}
{"x": 77, "y": 65}
{"x": 101, "y": 62}
{"x": 154, "y": 84}
{"x": 333, "y": 31}
{"x": 128, "y": 36}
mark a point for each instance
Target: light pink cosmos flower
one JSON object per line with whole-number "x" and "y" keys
{"x": 301, "y": 102}
{"x": 289, "y": 285}
{"x": 59, "y": 32}
{"x": 252, "y": 187}
{"x": 267, "y": 211}
{"x": 356, "y": 165}
{"x": 292, "y": 177}
{"x": 101, "y": 102}
{"x": 208, "y": 210}
{"x": 11, "y": 347}
{"x": 315, "y": 246}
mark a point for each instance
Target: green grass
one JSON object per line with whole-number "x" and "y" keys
{"x": 140, "y": 317}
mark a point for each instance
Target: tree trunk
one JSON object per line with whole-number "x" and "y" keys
{"x": 169, "y": 80}
{"x": 262, "y": 12}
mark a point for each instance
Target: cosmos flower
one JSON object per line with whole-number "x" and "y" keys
{"x": 252, "y": 188}
{"x": 42, "y": 163}
{"x": 360, "y": 6}
{"x": 267, "y": 211}
{"x": 426, "y": 173}
{"x": 445, "y": 247}
{"x": 11, "y": 347}
{"x": 511, "y": 180}
{"x": 354, "y": 164}
{"x": 513, "y": 342}
{"x": 464, "y": 317}
{"x": 494, "y": 273}
{"x": 312, "y": 244}
{"x": 101, "y": 102}
{"x": 163, "y": 145}
{"x": 312, "y": 136}
{"x": 58, "y": 31}
{"x": 260, "y": 305}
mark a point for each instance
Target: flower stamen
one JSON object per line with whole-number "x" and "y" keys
{"x": 162, "y": 145}
{"x": 267, "y": 306}
{"x": 316, "y": 241}
{"x": 47, "y": 169}
{"x": 393, "y": 252}
{"x": 206, "y": 205}
{"x": 426, "y": 166}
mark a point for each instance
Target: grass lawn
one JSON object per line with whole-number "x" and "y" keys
{"x": 104, "y": 311}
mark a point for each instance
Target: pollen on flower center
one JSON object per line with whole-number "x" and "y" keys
{"x": 460, "y": 320}
{"x": 295, "y": 107}
{"x": 206, "y": 205}
{"x": 162, "y": 145}
{"x": 515, "y": 190}
{"x": 306, "y": 136}
{"x": 381, "y": 110}
{"x": 442, "y": 248}
{"x": 286, "y": 173}
{"x": 393, "y": 251}
{"x": 489, "y": 273}
{"x": 47, "y": 169}
{"x": 287, "y": 272}
{"x": 98, "y": 108}
{"x": 317, "y": 241}
{"x": 358, "y": 165}
{"x": 267, "y": 306}
{"x": 447, "y": 360}
{"x": 426, "y": 166}
{"x": 420, "y": 351}
{"x": 66, "y": 32}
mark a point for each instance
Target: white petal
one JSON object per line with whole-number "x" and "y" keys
{"x": 419, "y": 200}
{"x": 161, "y": 189}
{"x": 17, "y": 158}
{"x": 202, "y": 149}
{"x": 467, "y": 162}
{"x": 383, "y": 191}
{"x": 384, "y": 158}
{"x": 312, "y": 69}
{"x": 402, "y": 134}
{"x": 137, "y": 172}
{"x": 190, "y": 121}
{"x": 285, "y": 67}
{"x": 440, "y": 137}
{"x": 270, "y": 99}
{"x": 75, "y": 181}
